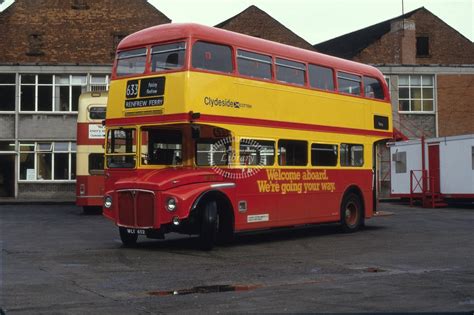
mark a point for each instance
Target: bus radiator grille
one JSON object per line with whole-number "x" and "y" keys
{"x": 136, "y": 208}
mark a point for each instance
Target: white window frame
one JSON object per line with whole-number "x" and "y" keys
{"x": 71, "y": 151}
{"x": 410, "y": 99}
{"x": 55, "y": 83}
{"x": 14, "y": 99}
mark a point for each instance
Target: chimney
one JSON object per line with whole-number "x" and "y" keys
{"x": 406, "y": 31}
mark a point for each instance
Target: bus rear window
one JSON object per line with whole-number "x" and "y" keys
{"x": 131, "y": 62}
{"x": 373, "y": 88}
{"x": 167, "y": 57}
{"x": 212, "y": 57}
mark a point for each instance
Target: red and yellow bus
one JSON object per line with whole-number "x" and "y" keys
{"x": 211, "y": 132}
{"x": 90, "y": 151}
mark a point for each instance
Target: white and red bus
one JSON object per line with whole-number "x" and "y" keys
{"x": 211, "y": 132}
{"x": 90, "y": 151}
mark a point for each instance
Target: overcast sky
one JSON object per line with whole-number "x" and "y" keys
{"x": 320, "y": 20}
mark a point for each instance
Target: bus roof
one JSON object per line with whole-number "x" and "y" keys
{"x": 174, "y": 31}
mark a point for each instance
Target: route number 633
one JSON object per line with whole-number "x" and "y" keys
{"x": 132, "y": 89}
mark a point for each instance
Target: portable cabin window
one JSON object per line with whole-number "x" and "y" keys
{"x": 373, "y": 88}
{"x": 212, "y": 57}
{"x": 257, "y": 152}
{"x": 213, "y": 152}
{"x": 352, "y": 154}
{"x": 321, "y": 77}
{"x": 96, "y": 163}
{"x": 167, "y": 57}
{"x": 131, "y": 62}
{"x": 290, "y": 71}
{"x": 254, "y": 65}
{"x": 323, "y": 154}
{"x": 348, "y": 83}
{"x": 292, "y": 153}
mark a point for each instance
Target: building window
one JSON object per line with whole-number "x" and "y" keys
{"x": 99, "y": 83}
{"x": 47, "y": 161}
{"x": 7, "y": 92}
{"x": 7, "y": 146}
{"x": 290, "y": 71}
{"x": 416, "y": 93}
{"x": 79, "y": 5}
{"x": 116, "y": 39}
{"x": 51, "y": 93}
{"x": 212, "y": 57}
{"x": 352, "y": 154}
{"x": 422, "y": 46}
{"x": 35, "y": 45}
{"x": 292, "y": 153}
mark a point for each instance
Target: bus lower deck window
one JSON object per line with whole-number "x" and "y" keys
{"x": 352, "y": 154}
{"x": 161, "y": 146}
{"x": 323, "y": 154}
{"x": 292, "y": 153}
{"x": 257, "y": 152}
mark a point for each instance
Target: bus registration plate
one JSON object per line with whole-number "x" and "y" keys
{"x": 136, "y": 231}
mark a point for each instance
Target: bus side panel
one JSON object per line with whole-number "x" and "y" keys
{"x": 93, "y": 188}
{"x": 282, "y": 197}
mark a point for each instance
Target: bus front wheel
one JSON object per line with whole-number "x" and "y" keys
{"x": 128, "y": 240}
{"x": 209, "y": 225}
{"x": 351, "y": 213}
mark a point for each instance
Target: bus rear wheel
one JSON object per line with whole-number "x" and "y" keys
{"x": 128, "y": 240}
{"x": 351, "y": 213}
{"x": 209, "y": 225}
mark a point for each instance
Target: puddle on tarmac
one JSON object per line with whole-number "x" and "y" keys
{"x": 206, "y": 289}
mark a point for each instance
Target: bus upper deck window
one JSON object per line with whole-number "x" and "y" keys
{"x": 373, "y": 88}
{"x": 131, "y": 62}
{"x": 290, "y": 71}
{"x": 321, "y": 77}
{"x": 348, "y": 83}
{"x": 212, "y": 57}
{"x": 167, "y": 56}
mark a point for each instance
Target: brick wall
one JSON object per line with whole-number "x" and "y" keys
{"x": 446, "y": 45}
{"x": 455, "y": 104}
{"x": 57, "y": 31}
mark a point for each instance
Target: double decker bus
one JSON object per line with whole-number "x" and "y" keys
{"x": 90, "y": 151}
{"x": 211, "y": 132}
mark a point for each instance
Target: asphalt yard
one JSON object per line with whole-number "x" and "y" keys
{"x": 54, "y": 259}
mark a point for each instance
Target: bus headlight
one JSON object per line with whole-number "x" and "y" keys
{"x": 108, "y": 202}
{"x": 171, "y": 204}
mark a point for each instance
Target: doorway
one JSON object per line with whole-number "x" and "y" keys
{"x": 433, "y": 167}
{"x": 7, "y": 176}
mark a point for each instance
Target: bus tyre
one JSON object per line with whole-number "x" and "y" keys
{"x": 209, "y": 226}
{"x": 128, "y": 240}
{"x": 351, "y": 213}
